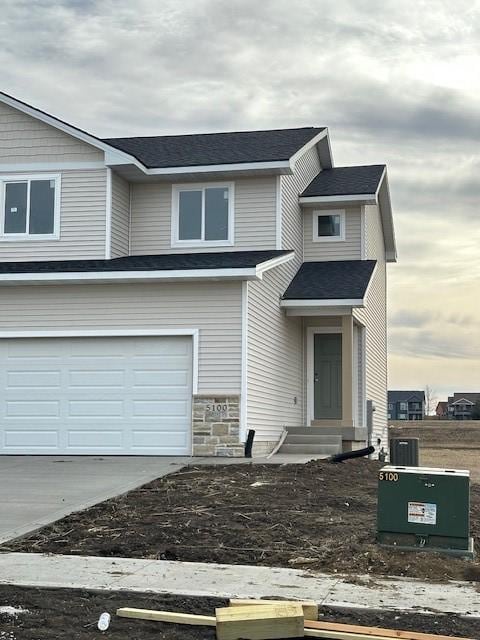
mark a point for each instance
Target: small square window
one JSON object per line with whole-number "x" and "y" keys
{"x": 328, "y": 226}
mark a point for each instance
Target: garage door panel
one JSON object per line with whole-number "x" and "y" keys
{"x": 86, "y": 395}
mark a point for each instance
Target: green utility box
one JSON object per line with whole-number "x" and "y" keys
{"x": 424, "y": 509}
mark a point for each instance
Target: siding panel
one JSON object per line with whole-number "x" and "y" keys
{"x": 120, "y": 216}
{"x": 82, "y": 222}
{"x": 374, "y": 316}
{"x": 214, "y": 310}
{"x": 24, "y": 139}
{"x": 350, "y": 249}
{"x": 275, "y": 341}
{"x": 255, "y": 200}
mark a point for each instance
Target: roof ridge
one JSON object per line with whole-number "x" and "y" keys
{"x": 215, "y": 133}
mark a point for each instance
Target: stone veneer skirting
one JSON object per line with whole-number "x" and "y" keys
{"x": 216, "y": 426}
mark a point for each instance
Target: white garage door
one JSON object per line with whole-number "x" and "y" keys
{"x": 118, "y": 395}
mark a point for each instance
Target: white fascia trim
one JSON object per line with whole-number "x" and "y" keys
{"x": 124, "y": 276}
{"x": 50, "y": 166}
{"x": 311, "y": 143}
{"x": 274, "y": 262}
{"x": 66, "y": 128}
{"x": 108, "y": 216}
{"x": 124, "y": 333}
{"x": 278, "y": 212}
{"x": 367, "y": 198}
{"x": 341, "y": 302}
{"x": 283, "y": 165}
{"x": 244, "y": 370}
{"x": 463, "y": 401}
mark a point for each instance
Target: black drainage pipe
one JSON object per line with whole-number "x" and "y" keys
{"x": 249, "y": 443}
{"x": 359, "y": 453}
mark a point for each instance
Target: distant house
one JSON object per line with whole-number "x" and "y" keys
{"x": 460, "y": 405}
{"x": 442, "y": 410}
{"x": 406, "y": 405}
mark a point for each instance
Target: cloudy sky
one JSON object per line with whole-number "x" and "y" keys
{"x": 396, "y": 82}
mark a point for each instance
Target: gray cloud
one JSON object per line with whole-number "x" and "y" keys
{"x": 394, "y": 82}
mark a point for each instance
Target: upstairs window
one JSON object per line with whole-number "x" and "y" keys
{"x": 328, "y": 226}
{"x": 29, "y": 207}
{"x": 202, "y": 215}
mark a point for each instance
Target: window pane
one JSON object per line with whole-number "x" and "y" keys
{"x": 216, "y": 213}
{"x": 190, "y": 215}
{"x": 16, "y": 207}
{"x": 42, "y": 206}
{"x": 328, "y": 226}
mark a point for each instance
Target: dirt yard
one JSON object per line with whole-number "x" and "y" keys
{"x": 54, "y": 614}
{"x": 446, "y": 444}
{"x": 317, "y": 516}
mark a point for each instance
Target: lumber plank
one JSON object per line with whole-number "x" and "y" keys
{"x": 340, "y": 635}
{"x": 255, "y": 622}
{"x": 166, "y": 616}
{"x": 310, "y": 608}
{"x": 373, "y": 632}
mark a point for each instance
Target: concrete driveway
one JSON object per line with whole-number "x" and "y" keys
{"x": 37, "y": 490}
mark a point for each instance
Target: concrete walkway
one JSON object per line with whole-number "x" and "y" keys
{"x": 224, "y": 581}
{"x": 37, "y": 490}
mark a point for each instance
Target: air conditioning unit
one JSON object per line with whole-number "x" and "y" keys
{"x": 404, "y": 452}
{"x": 424, "y": 509}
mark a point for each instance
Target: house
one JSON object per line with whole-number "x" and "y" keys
{"x": 163, "y": 295}
{"x": 441, "y": 410}
{"x": 461, "y": 406}
{"x": 406, "y": 405}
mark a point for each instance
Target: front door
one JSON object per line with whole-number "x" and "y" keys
{"x": 327, "y": 378}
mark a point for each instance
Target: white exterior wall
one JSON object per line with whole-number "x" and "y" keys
{"x": 25, "y": 140}
{"x": 275, "y": 366}
{"x": 374, "y": 316}
{"x": 348, "y": 249}
{"x": 212, "y": 308}
{"x": 82, "y": 222}
{"x": 120, "y": 216}
{"x": 254, "y": 211}
{"x": 306, "y": 168}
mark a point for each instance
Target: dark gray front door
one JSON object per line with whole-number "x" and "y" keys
{"x": 327, "y": 379}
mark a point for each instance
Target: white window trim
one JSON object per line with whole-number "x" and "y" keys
{"x": 27, "y": 237}
{"x": 196, "y": 186}
{"x": 328, "y": 212}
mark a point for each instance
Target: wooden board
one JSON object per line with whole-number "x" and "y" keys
{"x": 340, "y": 635}
{"x": 255, "y": 622}
{"x": 370, "y": 632}
{"x": 310, "y": 608}
{"x": 167, "y": 616}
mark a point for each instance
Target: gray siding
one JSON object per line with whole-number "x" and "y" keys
{"x": 151, "y": 217}
{"x": 275, "y": 359}
{"x": 349, "y": 249}
{"x": 214, "y": 310}
{"x": 24, "y": 139}
{"x": 82, "y": 222}
{"x": 374, "y": 316}
{"x": 306, "y": 168}
{"x": 120, "y": 216}
{"x": 275, "y": 340}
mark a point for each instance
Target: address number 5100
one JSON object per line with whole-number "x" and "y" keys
{"x": 391, "y": 476}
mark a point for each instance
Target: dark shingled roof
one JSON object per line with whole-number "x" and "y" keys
{"x": 216, "y": 148}
{"x": 345, "y": 181}
{"x": 165, "y": 262}
{"x": 343, "y": 279}
{"x": 405, "y": 396}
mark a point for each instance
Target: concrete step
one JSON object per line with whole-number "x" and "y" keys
{"x": 294, "y": 438}
{"x": 311, "y": 449}
{"x": 346, "y": 433}
{"x": 309, "y": 431}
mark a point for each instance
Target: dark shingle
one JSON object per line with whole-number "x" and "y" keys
{"x": 344, "y": 279}
{"x": 216, "y": 148}
{"x": 405, "y": 396}
{"x": 165, "y": 262}
{"x": 345, "y": 181}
